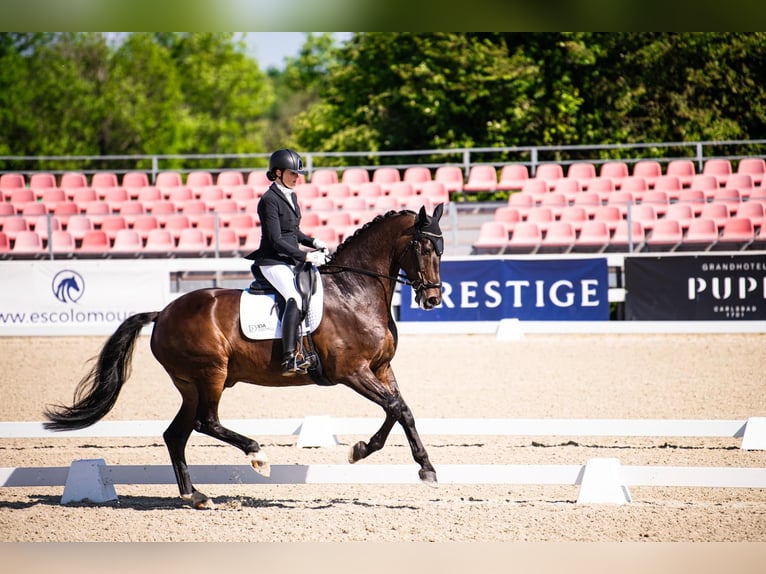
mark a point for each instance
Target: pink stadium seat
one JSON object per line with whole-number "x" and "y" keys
{"x": 197, "y": 179}
{"x": 603, "y": 186}
{"x": 451, "y": 176}
{"x": 5, "y": 245}
{"x": 42, "y": 180}
{"x": 148, "y": 196}
{"x": 650, "y": 170}
{"x": 127, "y": 243}
{"x": 616, "y": 171}
{"x": 385, "y": 177}
{"x": 593, "y": 237}
{"x": 555, "y": 201}
{"x": 509, "y": 216}
{"x": 104, "y": 179}
{"x": 132, "y": 209}
{"x": 559, "y": 238}
{"x": 670, "y": 184}
{"x": 241, "y": 223}
{"x": 729, "y": 196}
{"x": 512, "y": 177}
{"x": 65, "y": 209}
{"x": 645, "y": 214}
{"x": 62, "y": 243}
{"x": 718, "y": 212}
{"x": 657, "y": 198}
{"x": 637, "y": 185}
{"x": 115, "y": 197}
{"x": 83, "y": 195}
{"x": 226, "y": 243}
{"x": 338, "y": 192}
{"x": 370, "y": 192}
{"x": 12, "y": 181}
{"x": 42, "y": 223}
{"x": 327, "y": 234}
{"x": 492, "y": 239}
{"x": 252, "y": 240}
{"x": 702, "y": 235}
{"x": 258, "y": 181}
{"x": 622, "y": 200}
{"x": 753, "y": 210}
{"x": 72, "y": 179}
{"x": 353, "y": 177}
{"x": 755, "y": 167}
{"x": 96, "y": 211}
{"x": 524, "y": 202}
{"x": 549, "y": 173}
{"x": 536, "y": 187}
{"x": 27, "y": 244}
{"x": 18, "y": 197}
{"x": 307, "y": 193}
{"x": 665, "y": 236}
{"x": 584, "y": 172}
{"x": 624, "y": 242}
{"x": 192, "y": 242}
{"x": 33, "y": 208}
{"x": 526, "y": 238}
{"x": 51, "y": 196}
{"x": 94, "y": 243}
{"x": 575, "y": 215}
{"x": 741, "y": 181}
{"x": 417, "y": 177}
{"x": 683, "y": 169}
{"x": 209, "y": 195}
{"x": 12, "y": 226}
{"x": 242, "y": 195}
{"x": 569, "y": 187}
{"x": 402, "y": 191}
{"x": 135, "y": 179}
{"x": 176, "y": 223}
{"x": 6, "y": 209}
{"x": 719, "y": 168}
{"x": 693, "y": 197}
{"x": 79, "y": 225}
{"x": 737, "y": 234}
{"x": 159, "y": 243}
{"x": 230, "y": 179}
{"x": 168, "y": 179}
{"x": 588, "y": 200}
{"x": 704, "y": 182}
{"x": 541, "y": 216}
{"x": 111, "y": 224}
{"x": 609, "y": 214}
{"x": 435, "y": 191}
{"x": 144, "y": 223}
{"x": 681, "y": 212}
{"x": 342, "y": 223}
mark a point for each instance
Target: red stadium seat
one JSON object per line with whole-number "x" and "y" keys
{"x": 615, "y": 171}
{"x": 451, "y": 176}
{"x": 702, "y": 235}
{"x": 417, "y": 177}
{"x": 737, "y": 234}
{"x": 95, "y": 243}
{"x": 353, "y": 177}
{"x": 681, "y": 212}
{"x": 492, "y": 239}
{"x": 27, "y": 244}
{"x": 512, "y": 177}
{"x": 559, "y": 238}
{"x": 385, "y": 177}
{"x": 159, "y": 243}
{"x": 593, "y": 237}
{"x": 719, "y": 168}
{"x": 666, "y": 236}
{"x": 583, "y": 172}
{"x": 755, "y": 167}
{"x": 549, "y": 173}
{"x": 135, "y": 179}
{"x": 683, "y": 169}
{"x": 718, "y": 212}
{"x": 508, "y": 216}
{"x": 526, "y": 238}
{"x": 542, "y": 217}
{"x": 575, "y": 215}
{"x": 650, "y": 170}
{"x": 628, "y": 237}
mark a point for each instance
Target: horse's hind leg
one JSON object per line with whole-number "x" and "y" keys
{"x": 176, "y": 436}
{"x": 207, "y": 422}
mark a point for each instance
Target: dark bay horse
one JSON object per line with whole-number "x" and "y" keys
{"x": 198, "y": 340}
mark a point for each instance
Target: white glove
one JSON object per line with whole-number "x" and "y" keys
{"x": 319, "y": 244}
{"x": 317, "y": 257}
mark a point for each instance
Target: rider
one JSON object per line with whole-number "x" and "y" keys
{"x": 279, "y": 251}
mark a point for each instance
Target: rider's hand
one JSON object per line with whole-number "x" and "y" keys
{"x": 319, "y": 244}
{"x": 317, "y": 257}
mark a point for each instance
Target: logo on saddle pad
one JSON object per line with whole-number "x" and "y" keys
{"x": 259, "y": 314}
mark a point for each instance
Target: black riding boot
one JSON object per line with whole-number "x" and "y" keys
{"x": 291, "y": 363}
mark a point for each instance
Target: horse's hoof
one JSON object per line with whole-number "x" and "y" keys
{"x": 357, "y": 452}
{"x": 199, "y": 501}
{"x": 428, "y": 477}
{"x": 260, "y": 463}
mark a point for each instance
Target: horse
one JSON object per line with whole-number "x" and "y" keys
{"x": 198, "y": 340}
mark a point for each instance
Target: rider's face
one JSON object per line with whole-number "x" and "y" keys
{"x": 289, "y": 178}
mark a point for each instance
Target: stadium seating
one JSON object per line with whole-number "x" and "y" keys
{"x": 549, "y": 173}
{"x": 718, "y": 212}
{"x": 512, "y": 177}
{"x": 417, "y": 177}
{"x": 385, "y": 177}
{"x": 481, "y": 178}
{"x": 127, "y": 243}
{"x": 555, "y": 201}
{"x": 628, "y": 236}
{"x": 353, "y": 177}
{"x": 559, "y": 238}
{"x": 526, "y": 238}
{"x": 575, "y": 215}
{"x": 509, "y": 216}
{"x": 11, "y": 181}
{"x": 135, "y": 179}
{"x": 693, "y": 197}
{"x": 435, "y": 191}
{"x": 650, "y": 170}
{"x": 753, "y": 166}
{"x": 27, "y": 244}
{"x": 701, "y": 235}
{"x": 451, "y": 176}
{"x": 645, "y": 214}
{"x": 657, "y": 198}
{"x": 590, "y": 201}
{"x": 683, "y": 169}
{"x": 593, "y": 237}
{"x": 666, "y": 236}
{"x": 719, "y": 168}
{"x": 492, "y": 239}
{"x": 609, "y": 214}
{"x": 543, "y": 217}
{"x": 159, "y": 243}
{"x": 616, "y": 171}
{"x": 94, "y": 244}
{"x": 753, "y": 210}
{"x": 5, "y": 245}
{"x": 681, "y": 212}
{"x": 12, "y": 226}
{"x": 737, "y": 234}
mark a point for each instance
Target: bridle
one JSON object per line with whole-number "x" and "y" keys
{"x": 419, "y": 284}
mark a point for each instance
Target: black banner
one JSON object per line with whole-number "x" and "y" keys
{"x": 702, "y": 288}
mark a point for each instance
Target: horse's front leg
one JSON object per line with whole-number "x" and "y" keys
{"x": 387, "y": 396}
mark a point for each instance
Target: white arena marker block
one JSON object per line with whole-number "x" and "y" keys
{"x": 509, "y": 330}
{"x": 85, "y": 481}
{"x": 602, "y": 483}
{"x": 316, "y": 431}
{"x": 755, "y": 434}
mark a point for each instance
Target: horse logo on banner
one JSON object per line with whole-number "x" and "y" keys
{"x": 68, "y": 286}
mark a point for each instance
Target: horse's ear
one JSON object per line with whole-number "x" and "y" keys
{"x": 438, "y": 212}
{"x": 422, "y": 218}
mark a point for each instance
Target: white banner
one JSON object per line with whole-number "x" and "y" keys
{"x": 78, "y": 297}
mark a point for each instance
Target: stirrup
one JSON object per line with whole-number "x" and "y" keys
{"x": 295, "y": 365}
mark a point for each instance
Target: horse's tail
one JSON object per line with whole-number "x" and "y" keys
{"x": 97, "y": 392}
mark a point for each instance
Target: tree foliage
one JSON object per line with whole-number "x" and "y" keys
{"x": 199, "y": 93}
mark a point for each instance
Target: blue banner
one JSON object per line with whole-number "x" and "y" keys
{"x": 529, "y": 290}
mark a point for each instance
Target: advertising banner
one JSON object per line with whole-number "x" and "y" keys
{"x": 78, "y": 297}
{"x": 705, "y": 288}
{"x": 529, "y": 290}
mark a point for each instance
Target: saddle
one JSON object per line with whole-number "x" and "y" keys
{"x": 305, "y": 280}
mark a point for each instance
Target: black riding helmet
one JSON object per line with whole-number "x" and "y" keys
{"x": 285, "y": 159}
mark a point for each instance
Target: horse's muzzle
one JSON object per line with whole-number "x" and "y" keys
{"x": 427, "y": 301}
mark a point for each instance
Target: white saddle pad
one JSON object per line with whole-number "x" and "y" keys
{"x": 259, "y": 315}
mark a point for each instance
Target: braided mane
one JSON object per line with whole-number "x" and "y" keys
{"x": 375, "y": 220}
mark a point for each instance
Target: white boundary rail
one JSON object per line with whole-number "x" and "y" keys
{"x": 601, "y": 480}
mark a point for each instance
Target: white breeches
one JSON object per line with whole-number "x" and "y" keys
{"x": 283, "y": 280}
